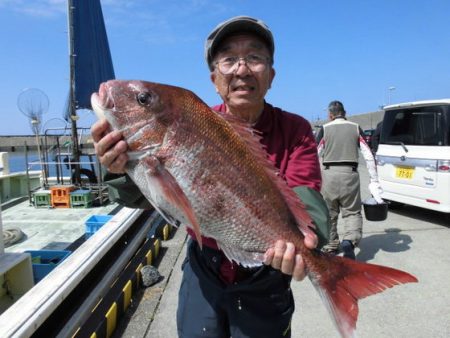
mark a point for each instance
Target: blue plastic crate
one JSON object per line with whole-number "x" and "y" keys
{"x": 80, "y": 198}
{"x": 44, "y": 261}
{"x": 95, "y": 222}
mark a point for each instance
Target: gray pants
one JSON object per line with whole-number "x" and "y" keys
{"x": 341, "y": 192}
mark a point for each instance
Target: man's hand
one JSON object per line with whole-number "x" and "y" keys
{"x": 109, "y": 147}
{"x": 283, "y": 257}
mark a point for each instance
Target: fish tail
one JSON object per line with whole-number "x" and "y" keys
{"x": 341, "y": 282}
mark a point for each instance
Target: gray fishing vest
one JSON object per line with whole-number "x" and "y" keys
{"x": 341, "y": 141}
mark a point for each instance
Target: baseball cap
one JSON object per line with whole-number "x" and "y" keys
{"x": 237, "y": 24}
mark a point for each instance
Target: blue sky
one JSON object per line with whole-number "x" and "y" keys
{"x": 350, "y": 50}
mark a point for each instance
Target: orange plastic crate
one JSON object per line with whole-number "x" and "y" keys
{"x": 60, "y": 195}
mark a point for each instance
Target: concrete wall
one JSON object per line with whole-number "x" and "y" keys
{"x": 369, "y": 120}
{"x": 17, "y": 143}
{"x": 366, "y": 121}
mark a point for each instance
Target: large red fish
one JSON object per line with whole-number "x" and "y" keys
{"x": 209, "y": 172}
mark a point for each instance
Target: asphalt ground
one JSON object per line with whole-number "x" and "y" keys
{"x": 410, "y": 239}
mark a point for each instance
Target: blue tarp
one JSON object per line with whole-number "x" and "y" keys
{"x": 93, "y": 64}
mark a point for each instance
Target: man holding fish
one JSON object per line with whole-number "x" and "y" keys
{"x": 240, "y": 55}
{"x": 244, "y": 179}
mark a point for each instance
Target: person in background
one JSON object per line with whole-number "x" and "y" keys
{"x": 217, "y": 297}
{"x": 339, "y": 142}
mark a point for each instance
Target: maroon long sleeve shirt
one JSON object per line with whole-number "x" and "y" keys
{"x": 290, "y": 145}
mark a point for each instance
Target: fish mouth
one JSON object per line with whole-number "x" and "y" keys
{"x": 101, "y": 102}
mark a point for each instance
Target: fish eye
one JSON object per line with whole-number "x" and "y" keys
{"x": 144, "y": 98}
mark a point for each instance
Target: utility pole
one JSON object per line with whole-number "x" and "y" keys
{"x": 390, "y": 89}
{"x": 72, "y": 103}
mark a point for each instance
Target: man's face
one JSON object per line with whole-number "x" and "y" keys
{"x": 243, "y": 89}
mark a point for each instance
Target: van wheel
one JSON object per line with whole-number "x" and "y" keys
{"x": 395, "y": 205}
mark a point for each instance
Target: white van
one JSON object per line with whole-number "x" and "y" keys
{"x": 413, "y": 156}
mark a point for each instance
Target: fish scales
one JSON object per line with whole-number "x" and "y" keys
{"x": 208, "y": 171}
{"x": 203, "y": 141}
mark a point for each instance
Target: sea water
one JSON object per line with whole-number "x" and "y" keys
{"x": 18, "y": 163}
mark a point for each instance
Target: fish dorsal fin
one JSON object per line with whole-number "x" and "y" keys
{"x": 252, "y": 139}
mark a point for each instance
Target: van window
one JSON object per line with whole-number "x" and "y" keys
{"x": 427, "y": 126}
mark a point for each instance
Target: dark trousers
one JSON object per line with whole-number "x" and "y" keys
{"x": 260, "y": 305}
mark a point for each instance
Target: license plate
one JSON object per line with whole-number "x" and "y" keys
{"x": 404, "y": 172}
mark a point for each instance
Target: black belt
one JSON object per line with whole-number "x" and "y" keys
{"x": 353, "y": 165}
{"x": 213, "y": 258}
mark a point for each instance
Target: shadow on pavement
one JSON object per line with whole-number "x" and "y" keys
{"x": 391, "y": 241}
{"x": 435, "y": 217}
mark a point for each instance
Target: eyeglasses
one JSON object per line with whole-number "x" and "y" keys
{"x": 230, "y": 64}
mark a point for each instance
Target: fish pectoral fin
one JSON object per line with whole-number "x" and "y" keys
{"x": 144, "y": 152}
{"x": 172, "y": 192}
{"x": 172, "y": 221}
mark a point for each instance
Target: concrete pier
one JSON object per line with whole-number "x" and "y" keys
{"x": 18, "y": 142}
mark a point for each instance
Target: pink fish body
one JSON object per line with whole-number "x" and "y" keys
{"x": 209, "y": 172}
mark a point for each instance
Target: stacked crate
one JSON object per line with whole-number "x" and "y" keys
{"x": 42, "y": 199}
{"x": 60, "y": 195}
{"x": 81, "y": 199}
